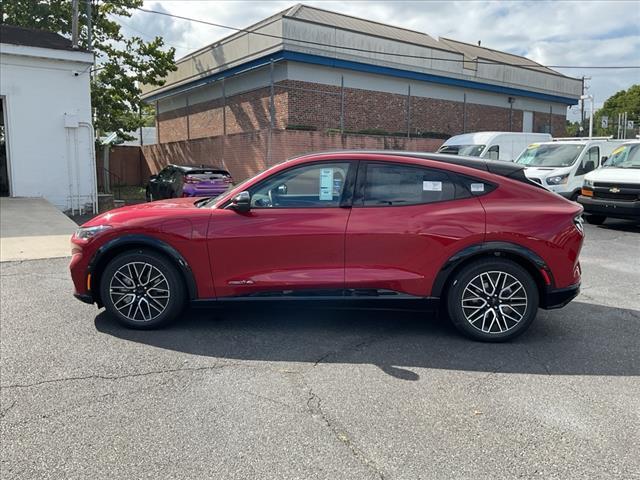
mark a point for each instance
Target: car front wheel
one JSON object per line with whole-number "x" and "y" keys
{"x": 492, "y": 300}
{"x": 142, "y": 289}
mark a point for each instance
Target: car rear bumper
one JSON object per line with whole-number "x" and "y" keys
{"x": 610, "y": 208}
{"x": 559, "y": 297}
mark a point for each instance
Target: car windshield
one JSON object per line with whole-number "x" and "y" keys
{"x": 468, "y": 150}
{"x": 549, "y": 155}
{"x": 626, "y": 156}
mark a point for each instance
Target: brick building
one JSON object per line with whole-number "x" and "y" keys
{"x": 310, "y": 69}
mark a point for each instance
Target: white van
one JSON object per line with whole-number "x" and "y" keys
{"x": 561, "y": 165}
{"x": 614, "y": 189}
{"x": 492, "y": 145}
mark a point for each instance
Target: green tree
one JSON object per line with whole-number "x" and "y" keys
{"x": 620, "y": 102}
{"x": 122, "y": 63}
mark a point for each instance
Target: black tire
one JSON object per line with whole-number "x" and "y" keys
{"x": 493, "y": 320}
{"x": 595, "y": 219}
{"x": 121, "y": 299}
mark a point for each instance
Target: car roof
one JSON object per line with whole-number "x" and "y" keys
{"x": 190, "y": 168}
{"x": 497, "y": 167}
{"x": 477, "y": 138}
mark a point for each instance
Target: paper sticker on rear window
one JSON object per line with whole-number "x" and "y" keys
{"x": 477, "y": 187}
{"x": 431, "y": 186}
{"x": 326, "y": 184}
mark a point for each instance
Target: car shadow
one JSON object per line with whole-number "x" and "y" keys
{"x": 581, "y": 339}
{"x": 621, "y": 225}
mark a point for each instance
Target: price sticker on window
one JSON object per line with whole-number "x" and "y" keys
{"x": 326, "y": 184}
{"x": 477, "y": 187}
{"x": 431, "y": 186}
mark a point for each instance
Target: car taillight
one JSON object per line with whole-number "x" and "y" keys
{"x": 578, "y": 222}
{"x": 188, "y": 179}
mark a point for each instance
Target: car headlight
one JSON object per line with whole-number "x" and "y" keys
{"x": 85, "y": 233}
{"x": 558, "y": 179}
{"x": 588, "y": 183}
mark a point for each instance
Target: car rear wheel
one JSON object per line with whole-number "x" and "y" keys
{"x": 492, "y": 300}
{"x": 595, "y": 219}
{"x": 142, "y": 289}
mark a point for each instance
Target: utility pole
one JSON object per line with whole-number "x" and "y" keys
{"x": 89, "y": 24}
{"x": 585, "y": 87}
{"x": 74, "y": 23}
{"x": 590, "y": 97}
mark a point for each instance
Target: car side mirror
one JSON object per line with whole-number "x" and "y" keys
{"x": 241, "y": 202}
{"x": 603, "y": 159}
{"x": 153, "y": 178}
{"x": 282, "y": 189}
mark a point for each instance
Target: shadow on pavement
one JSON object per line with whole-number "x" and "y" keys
{"x": 621, "y": 225}
{"x": 581, "y": 339}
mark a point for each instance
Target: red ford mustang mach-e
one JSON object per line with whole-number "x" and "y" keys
{"x": 474, "y": 236}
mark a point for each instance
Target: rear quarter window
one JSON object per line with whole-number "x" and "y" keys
{"x": 398, "y": 185}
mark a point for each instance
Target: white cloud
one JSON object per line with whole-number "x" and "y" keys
{"x": 553, "y": 33}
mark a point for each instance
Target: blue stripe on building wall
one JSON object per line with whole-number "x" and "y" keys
{"x": 368, "y": 68}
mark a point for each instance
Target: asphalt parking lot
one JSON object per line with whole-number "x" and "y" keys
{"x": 322, "y": 394}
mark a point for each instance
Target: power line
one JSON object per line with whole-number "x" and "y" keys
{"x": 363, "y": 50}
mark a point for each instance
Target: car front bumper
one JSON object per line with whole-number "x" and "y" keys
{"x": 610, "y": 208}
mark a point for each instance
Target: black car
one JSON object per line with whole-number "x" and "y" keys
{"x": 188, "y": 181}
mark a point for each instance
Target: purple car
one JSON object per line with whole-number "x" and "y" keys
{"x": 188, "y": 181}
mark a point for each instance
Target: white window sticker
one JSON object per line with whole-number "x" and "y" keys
{"x": 430, "y": 186}
{"x": 326, "y": 184}
{"x": 477, "y": 187}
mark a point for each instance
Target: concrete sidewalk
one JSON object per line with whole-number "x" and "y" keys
{"x": 32, "y": 228}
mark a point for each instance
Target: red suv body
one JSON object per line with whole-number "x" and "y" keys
{"x": 474, "y": 236}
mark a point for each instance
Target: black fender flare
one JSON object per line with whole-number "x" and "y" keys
{"x": 138, "y": 240}
{"x": 485, "y": 248}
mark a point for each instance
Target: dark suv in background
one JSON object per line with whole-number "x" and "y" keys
{"x": 176, "y": 181}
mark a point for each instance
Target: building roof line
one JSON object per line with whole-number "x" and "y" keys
{"x": 386, "y": 25}
{"x": 288, "y": 55}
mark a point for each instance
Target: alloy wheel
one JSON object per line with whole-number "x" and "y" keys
{"x": 494, "y": 302}
{"x": 139, "y": 291}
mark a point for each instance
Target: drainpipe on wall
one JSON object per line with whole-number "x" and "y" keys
{"x": 92, "y": 153}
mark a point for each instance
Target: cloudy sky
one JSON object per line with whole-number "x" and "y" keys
{"x": 580, "y": 32}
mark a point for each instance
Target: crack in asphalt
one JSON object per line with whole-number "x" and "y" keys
{"x": 6, "y": 410}
{"x": 116, "y": 377}
{"x": 314, "y": 407}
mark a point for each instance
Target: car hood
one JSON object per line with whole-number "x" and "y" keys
{"x": 615, "y": 175}
{"x": 543, "y": 172}
{"x": 159, "y": 208}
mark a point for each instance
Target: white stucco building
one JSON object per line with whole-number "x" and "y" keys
{"x": 46, "y": 141}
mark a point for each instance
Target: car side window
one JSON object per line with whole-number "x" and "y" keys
{"x": 590, "y": 161}
{"x": 310, "y": 186}
{"x": 493, "y": 153}
{"x": 397, "y": 185}
{"x": 165, "y": 174}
